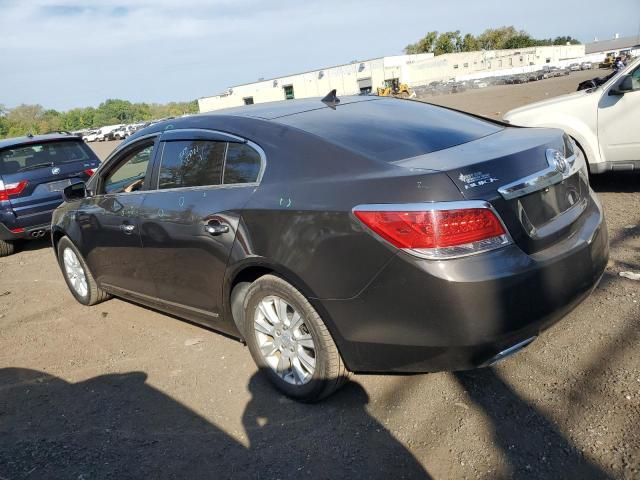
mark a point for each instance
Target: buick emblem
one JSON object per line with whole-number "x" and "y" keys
{"x": 55, "y": 170}
{"x": 556, "y": 159}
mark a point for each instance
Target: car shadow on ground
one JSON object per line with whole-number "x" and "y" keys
{"x": 119, "y": 426}
{"x": 532, "y": 445}
{"x": 32, "y": 245}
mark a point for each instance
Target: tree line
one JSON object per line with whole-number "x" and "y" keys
{"x": 24, "y": 119}
{"x": 491, "y": 39}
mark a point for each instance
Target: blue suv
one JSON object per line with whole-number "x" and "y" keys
{"x": 33, "y": 172}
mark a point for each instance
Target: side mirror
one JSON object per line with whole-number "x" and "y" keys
{"x": 75, "y": 191}
{"x": 624, "y": 85}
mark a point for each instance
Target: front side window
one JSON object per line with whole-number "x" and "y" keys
{"x": 191, "y": 163}
{"x": 129, "y": 175}
{"x": 242, "y": 164}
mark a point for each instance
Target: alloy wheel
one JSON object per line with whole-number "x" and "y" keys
{"x": 75, "y": 272}
{"x": 284, "y": 340}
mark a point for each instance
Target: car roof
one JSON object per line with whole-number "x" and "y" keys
{"x": 263, "y": 111}
{"x": 353, "y": 123}
{"x": 31, "y": 139}
{"x": 284, "y": 108}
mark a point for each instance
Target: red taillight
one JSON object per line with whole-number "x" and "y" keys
{"x": 9, "y": 189}
{"x": 439, "y": 233}
{"x": 90, "y": 171}
{"x": 17, "y": 230}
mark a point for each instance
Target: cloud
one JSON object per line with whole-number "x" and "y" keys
{"x": 66, "y": 53}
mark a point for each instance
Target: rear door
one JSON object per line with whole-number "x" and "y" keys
{"x": 618, "y": 120}
{"x": 39, "y": 172}
{"x": 189, "y": 222}
{"x": 109, "y": 221}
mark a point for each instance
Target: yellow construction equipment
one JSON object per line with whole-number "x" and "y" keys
{"x": 608, "y": 61}
{"x": 395, "y": 89}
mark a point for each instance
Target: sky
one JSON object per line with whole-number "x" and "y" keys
{"x": 74, "y": 53}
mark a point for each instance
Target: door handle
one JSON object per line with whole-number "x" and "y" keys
{"x": 127, "y": 228}
{"x": 214, "y": 227}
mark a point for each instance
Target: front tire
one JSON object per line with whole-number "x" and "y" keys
{"x": 289, "y": 341}
{"x": 77, "y": 275}
{"x": 7, "y": 248}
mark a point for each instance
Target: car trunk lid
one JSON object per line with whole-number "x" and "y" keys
{"x": 512, "y": 170}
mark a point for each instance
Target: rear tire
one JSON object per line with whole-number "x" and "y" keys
{"x": 77, "y": 275}
{"x": 6, "y": 248}
{"x": 289, "y": 341}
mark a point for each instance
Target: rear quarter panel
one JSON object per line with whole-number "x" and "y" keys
{"x": 299, "y": 220}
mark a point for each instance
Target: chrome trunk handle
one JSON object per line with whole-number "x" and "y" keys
{"x": 559, "y": 169}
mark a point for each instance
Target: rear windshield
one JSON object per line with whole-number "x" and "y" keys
{"x": 391, "y": 130}
{"x": 41, "y": 155}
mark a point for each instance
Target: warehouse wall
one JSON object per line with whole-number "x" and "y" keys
{"x": 411, "y": 69}
{"x": 454, "y": 65}
{"x": 343, "y": 78}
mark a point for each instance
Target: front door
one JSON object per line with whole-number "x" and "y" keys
{"x": 189, "y": 223}
{"x": 109, "y": 221}
{"x": 618, "y": 123}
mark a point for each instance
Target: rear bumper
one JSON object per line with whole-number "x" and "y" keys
{"x": 32, "y": 232}
{"x": 627, "y": 166}
{"x": 424, "y": 316}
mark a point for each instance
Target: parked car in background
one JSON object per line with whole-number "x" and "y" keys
{"x": 33, "y": 172}
{"x": 332, "y": 240}
{"x": 104, "y": 132}
{"x": 119, "y": 133}
{"x": 479, "y": 84}
{"x": 457, "y": 87}
{"x": 586, "y": 66}
{"x": 574, "y": 67}
{"x": 602, "y": 119}
{"x": 91, "y": 136}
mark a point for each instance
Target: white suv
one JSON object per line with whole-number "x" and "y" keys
{"x": 604, "y": 121}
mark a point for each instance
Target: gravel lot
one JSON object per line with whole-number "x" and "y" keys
{"x": 119, "y": 391}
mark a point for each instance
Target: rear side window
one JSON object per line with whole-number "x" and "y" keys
{"x": 191, "y": 164}
{"x": 195, "y": 163}
{"x": 42, "y": 155}
{"x": 242, "y": 164}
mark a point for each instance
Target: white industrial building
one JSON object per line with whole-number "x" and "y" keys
{"x": 615, "y": 46}
{"x": 368, "y": 75}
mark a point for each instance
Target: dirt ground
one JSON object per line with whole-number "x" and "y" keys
{"x": 118, "y": 391}
{"x": 496, "y": 100}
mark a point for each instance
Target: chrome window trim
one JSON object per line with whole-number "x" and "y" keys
{"x": 203, "y": 131}
{"x": 203, "y": 187}
{"x": 544, "y": 178}
{"x": 505, "y": 238}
